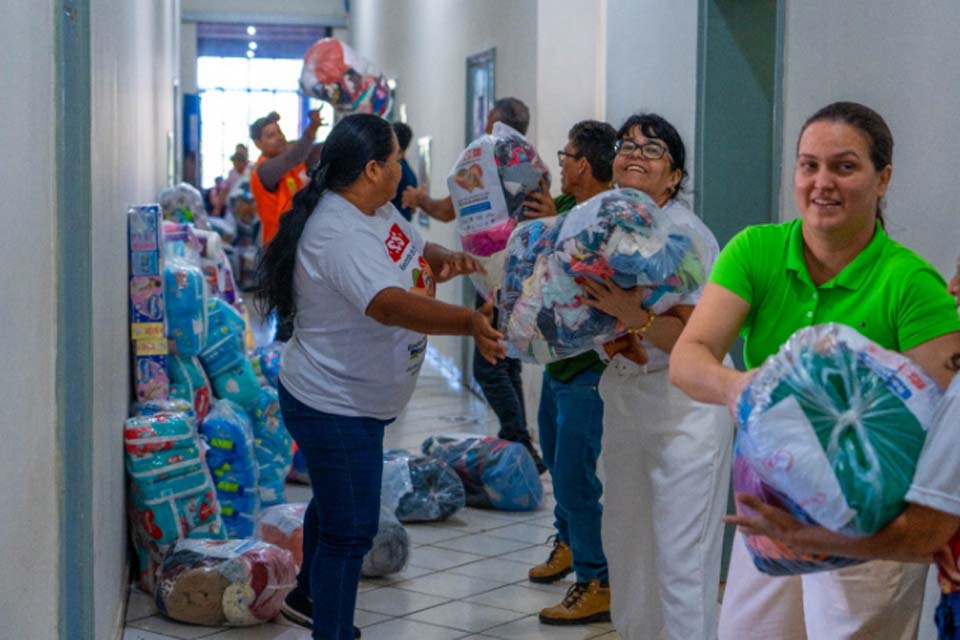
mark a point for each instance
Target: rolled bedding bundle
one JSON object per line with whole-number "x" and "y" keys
{"x": 619, "y": 235}
{"x": 432, "y": 489}
{"x": 335, "y": 73}
{"x": 273, "y": 446}
{"x": 833, "y": 425}
{"x": 226, "y": 582}
{"x": 496, "y": 474}
{"x": 488, "y": 184}
{"x": 232, "y": 461}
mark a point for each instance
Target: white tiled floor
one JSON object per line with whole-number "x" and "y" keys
{"x": 466, "y": 577}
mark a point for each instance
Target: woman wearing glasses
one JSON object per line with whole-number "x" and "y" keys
{"x": 666, "y": 457}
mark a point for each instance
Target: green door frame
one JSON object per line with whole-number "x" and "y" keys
{"x": 74, "y": 310}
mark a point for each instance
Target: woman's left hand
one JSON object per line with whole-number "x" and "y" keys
{"x": 769, "y": 521}
{"x": 457, "y": 263}
{"x": 623, "y": 304}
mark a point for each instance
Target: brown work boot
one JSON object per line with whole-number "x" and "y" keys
{"x": 558, "y": 565}
{"x": 585, "y": 602}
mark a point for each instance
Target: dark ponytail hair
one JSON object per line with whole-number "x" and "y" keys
{"x": 354, "y": 142}
{"x": 866, "y": 121}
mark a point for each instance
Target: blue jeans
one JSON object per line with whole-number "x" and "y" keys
{"x": 344, "y": 458}
{"x": 948, "y": 616}
{"x": 571, "y": 428}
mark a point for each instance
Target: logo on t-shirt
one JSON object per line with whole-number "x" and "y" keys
{"x": 396, "y": 242}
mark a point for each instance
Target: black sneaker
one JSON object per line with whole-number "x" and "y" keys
{"x": 298, "y": 608}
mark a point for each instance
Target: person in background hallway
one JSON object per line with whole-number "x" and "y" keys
{"x": 360, "y": 285}
{"x": 570, "y": 417}
{"x": 666, "y": 458}
{"x": 241, "y": 161}
{"x": 407, "y": 178}
{"x": 834, "y": 263}
{"x": 500, "y": 382}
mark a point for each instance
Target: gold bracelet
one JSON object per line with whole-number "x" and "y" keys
{"x": 651, "y": 316}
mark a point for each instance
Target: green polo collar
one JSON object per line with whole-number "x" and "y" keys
{"x": 853, "y": 274}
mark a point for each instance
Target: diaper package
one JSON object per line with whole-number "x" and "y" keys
{"x": 147, "y": 309}
{"x": 232, "y": 461}
{"x": 189, "y": 383}
{"x": 488, "y": 185}
{"x": 273, "y": 446}
{"x": 496, "y": 474}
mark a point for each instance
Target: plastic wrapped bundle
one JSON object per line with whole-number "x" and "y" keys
{"x": 273, "y": 446}
{"x": 172, "y": 405}
{"x": 282, "y": 525}
{"x": 229, "y": 582}
{"x": 224, "y": 356}
{"x": 488, "y": 185}
{"x": 835, "y": 424}
{"x": 298, "y": 471}
{"x": 183, "y": 203}
{"x": 391, "y": 548}
{"x": 232, "y": 461}
{"x": 335, "y": 73}
{"x": 189, "y": 383}
{"x": 619, "y": 234}
{"x": 435, "y": 490}
{"x": 183, "y": 289}
{"x": 266, "y": 363}
{"x": 496, "y": 473}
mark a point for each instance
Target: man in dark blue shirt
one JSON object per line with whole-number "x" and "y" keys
{"x": 407, "y": 177}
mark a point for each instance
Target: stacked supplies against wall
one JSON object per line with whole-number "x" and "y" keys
{"x": 488, "y": 185}
{"x": 266, "y": 363}
{"x": 147, "y": 314}
{"x": 171, "y": 495}
{"x": 619, "y": 235}
{"x": 232, "y": 460}
{"x": 435, "y": 490}
{"x": 282, "y": 525}
{"x": 183, "y": 203}
{"x": 184, "y": 290}
{"x": 496, "y": 474}
{"x": 224, "y": 355}
{"x": 832, "y": 425}
{"x": 335, "y": 73}
{"x": 273, "y": 446}
{"x": 189, "y": 382}
{"x": 228, "y": 582}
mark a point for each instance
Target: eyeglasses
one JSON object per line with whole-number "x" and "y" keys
{"x": 563, "y": 154}
{"x": 648, "y": 150}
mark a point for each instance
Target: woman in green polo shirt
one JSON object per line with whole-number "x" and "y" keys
{"x": 833, "y": 264}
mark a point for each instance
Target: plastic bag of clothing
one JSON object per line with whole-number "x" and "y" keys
{"x": 232, "y": 461}
{"x": 836, "y": 423}
{"x": 619, "y": 234}
{"x": 266, "y": 363}
{"x": 391, "y": 547}
{"x": 185, "y": 300}
{"x": 228, "y": 582}
{"x": 335, "y": 73}
{"x": 488, "y": 185}
{"x": 183, "y": 203}
{"x": 282, "y": 525}
{"x": 189, "y": 383}
{"x": 496, "y": 474}
{"x": 273, "y": 446}
{"x": 772, "y": 556}
{"x": 435, "y": 490}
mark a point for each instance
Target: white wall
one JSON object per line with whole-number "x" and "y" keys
{"x": 651, "y": 64}
{"x": 424, "y": 45}
{"x": 134, "y": 62}
{"x": 901, "y": 60}
{"x": 29, "y": 533}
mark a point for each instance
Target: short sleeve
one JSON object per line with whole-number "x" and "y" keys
{"x": 358, "y": 266}
{"x": 936, "y": 482}
{"x": 926, "y": 311}
{"x": 732, "y": 270}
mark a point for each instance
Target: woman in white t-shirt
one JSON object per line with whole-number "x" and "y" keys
{"x": 358, "y": 282}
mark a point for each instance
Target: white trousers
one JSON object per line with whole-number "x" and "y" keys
{"x": 877, "y": 600}
{"x": 667, "y": 465}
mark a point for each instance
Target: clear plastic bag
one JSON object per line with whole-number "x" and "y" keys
{"x": 496, "y": 474}
{"x": 266, "y": 363}
{"x": 391, "y": 547}
{"x": 488, "y": 184}
{"x": 429, "y": 490}
{"x": 335, "y": 73}
{"x": 619, "y": 234}
{"x": 232, "y": 461}
{"x": 183, "y": 203}
{"x": 282, "y": 525}
{"x": 228, "y": 582}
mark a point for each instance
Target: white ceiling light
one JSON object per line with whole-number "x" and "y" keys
{"x": 251, "y": 30}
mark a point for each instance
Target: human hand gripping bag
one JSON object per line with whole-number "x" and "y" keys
{"x": 619, "y": 235}
{"x": 488, "y": 185}
{"x": 226, "y": 582}
{"x": 496, "y": 474}
{"x": 335, "y": 73}
{"x": 833, "y": 425}
{"x": 232, "y": 462}
{"x": 432, "y": 491}
{"x": 273, "y": 446}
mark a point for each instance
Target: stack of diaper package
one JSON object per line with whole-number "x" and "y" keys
{"x": 620, "y": 235}
{"x": 147, "y": 333}
{"x": 831, "y": 428}
{"x": 228, "y": 430}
